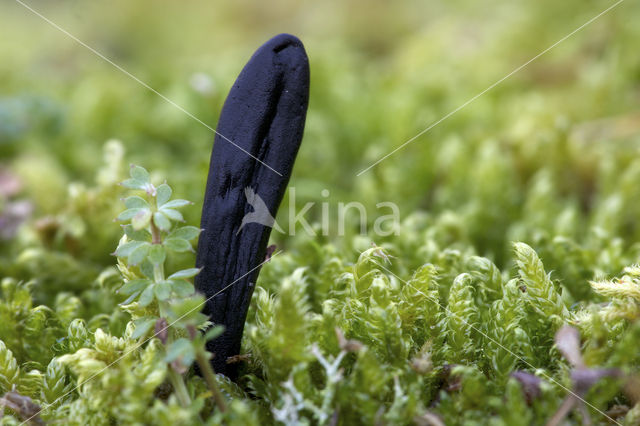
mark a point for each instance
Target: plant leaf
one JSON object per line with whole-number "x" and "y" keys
{"x": 163, "y": 194}
{"x": 130, "y": 299}
{"x": 177, "y": 244}
{"x": 133, "y": 286}
{"x": 163, "y": 290}
{"x": 182, "y": 288}
{"x": 173, "y": 204}
{"x": 183, "y": 308}
{"x": 143, "y": 325}
{"x": 139, "y": 235}
{"x": 135, "y": 202}
{"x": 124, "y": 250}
{"x": 186, "y": 233}
{"x": 134, "y": 184}
{"x": 129, "y": 213}
{"x": 139, "y": 173}
{"x": 161, "y": 221}
{"x": 147, "y": 296}
{"x": 141, "y": 219}
{"x": 172, "y": 214}
{"x": 213, "y": 332}
{"x": 139, "y": 253}
{"x": 185, "y": 273}
{"x": 157, "y": 254}
{"x": 181, "y": 349}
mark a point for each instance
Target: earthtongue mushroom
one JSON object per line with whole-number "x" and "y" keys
{"x": 258, "y": 136}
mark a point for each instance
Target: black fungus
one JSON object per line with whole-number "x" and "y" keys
{"x": 264, "y": 116}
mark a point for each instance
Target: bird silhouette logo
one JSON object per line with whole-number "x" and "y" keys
{"x": 260, "y": 213}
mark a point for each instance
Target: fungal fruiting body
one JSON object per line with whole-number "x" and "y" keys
{"x": 257, "y": 140}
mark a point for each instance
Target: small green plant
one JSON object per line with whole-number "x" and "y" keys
{"x": 163, "y": 303}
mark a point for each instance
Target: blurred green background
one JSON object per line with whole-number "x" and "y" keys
{"x": 539, "y": 154}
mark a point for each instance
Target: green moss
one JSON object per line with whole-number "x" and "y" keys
{"x": 519, "y": 215}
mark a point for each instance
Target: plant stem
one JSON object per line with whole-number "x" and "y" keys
{"x": 156, "y": 238}
{"x": 179, "y": 387}
{"x": 210, "y": 378}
